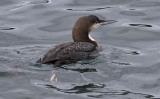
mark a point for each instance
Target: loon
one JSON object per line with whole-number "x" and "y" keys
{"x": 83, "y": 47}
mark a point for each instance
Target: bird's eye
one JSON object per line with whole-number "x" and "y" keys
{"x": 96, "y": 21}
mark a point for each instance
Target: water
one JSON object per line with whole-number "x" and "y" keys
{"x": 128, "y": 67}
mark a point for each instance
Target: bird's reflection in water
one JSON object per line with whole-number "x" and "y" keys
{"x": 54, "y": 74}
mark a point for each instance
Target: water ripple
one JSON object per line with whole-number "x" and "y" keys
{"x": 80, "y": 70}
{"x": 39, "y": 1}
{"x": 132, "y": 13}
{"x": 145, "y": 4}
{"x": 95, "y": 90}
{"x": 11, "y": 73}
{"x": 141, "y": 25}
{"x": 7, "y": 28}
{"x": 91, "y": 9}
{"x": 91, "y": 87}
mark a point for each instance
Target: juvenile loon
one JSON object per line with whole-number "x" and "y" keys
{"x": 83, "y": 46}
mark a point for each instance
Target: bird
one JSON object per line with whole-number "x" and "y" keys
{"x": 83, "y": 47}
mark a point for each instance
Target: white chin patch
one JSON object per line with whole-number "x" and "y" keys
{"x": 96, "y": 25}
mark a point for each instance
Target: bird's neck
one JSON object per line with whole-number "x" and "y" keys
{"x": 83, "y": 36}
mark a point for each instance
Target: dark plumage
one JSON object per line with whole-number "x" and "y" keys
{"x": 83, "y": 46}
{"x": 70, "y": 51}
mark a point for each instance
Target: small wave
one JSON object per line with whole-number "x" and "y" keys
{"x": 91, "y": 9}
{"x": 141, "y": 25}
{"x": 7, "y": 28}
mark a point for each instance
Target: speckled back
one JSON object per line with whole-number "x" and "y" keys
{"x": 70, "y": 51}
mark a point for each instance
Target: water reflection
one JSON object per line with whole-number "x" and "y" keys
{"x": 95, "y": 91}
{"x": 53, "y": 78}
{"x": 80, "y": 70}
{"x": 91, "y": 87}
{"x": 120, "y": 93}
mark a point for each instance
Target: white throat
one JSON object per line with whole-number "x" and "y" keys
{"x": 91, "y": 38}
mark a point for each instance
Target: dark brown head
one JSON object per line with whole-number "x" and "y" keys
{"x": 84, "y": 25}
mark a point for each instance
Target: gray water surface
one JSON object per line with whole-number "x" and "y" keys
{"x": 128, "y": 66}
